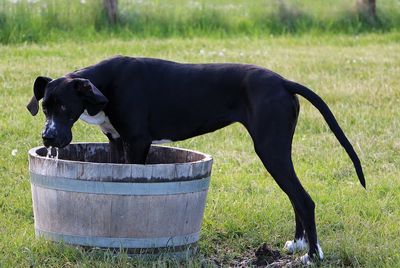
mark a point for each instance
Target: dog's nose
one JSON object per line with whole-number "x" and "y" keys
{"x": 48, "y": 137}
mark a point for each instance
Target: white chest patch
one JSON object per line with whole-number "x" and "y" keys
{"x": 102, "y": 121}
{"x": 97, "y": 119}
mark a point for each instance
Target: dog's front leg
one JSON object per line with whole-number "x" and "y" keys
{"x": 136, "y": 151}
{"x": 116, "y": 150}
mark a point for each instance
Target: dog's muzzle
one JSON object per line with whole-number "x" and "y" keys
{"x": 56, "y": 136}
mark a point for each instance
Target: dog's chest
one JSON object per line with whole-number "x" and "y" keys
{"x": 102, "y": 121}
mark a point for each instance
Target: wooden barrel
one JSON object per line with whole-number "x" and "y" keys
{"x": 82, "y": 199}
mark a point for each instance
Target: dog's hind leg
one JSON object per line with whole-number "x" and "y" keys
{"x": 300, "y": 242}
{"x": 272, "y": 131}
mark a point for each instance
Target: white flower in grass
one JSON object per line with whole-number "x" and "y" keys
{"x": 222, "y": 52}
{"x": 83, "y": 2}
{"x": 202, "y": 52}
{"x": 14, "y": 152}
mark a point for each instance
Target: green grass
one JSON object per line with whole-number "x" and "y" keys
{"x": 41, "y": 21}
{"x": 357, "y": 76}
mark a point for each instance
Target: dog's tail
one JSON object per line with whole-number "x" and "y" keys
{"x": 330, "y": 119}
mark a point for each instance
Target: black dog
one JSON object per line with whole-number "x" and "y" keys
{"x": 140, "y": 101}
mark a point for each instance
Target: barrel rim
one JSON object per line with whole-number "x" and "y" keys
{"x": 207, "y": 158}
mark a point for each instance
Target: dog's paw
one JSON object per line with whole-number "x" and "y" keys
{"x": 320, "y": 252}
{"x": 293, "y": 246}
{"x": 307, "y": 260}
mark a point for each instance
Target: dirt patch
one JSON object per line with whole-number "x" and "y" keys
{"x": 263, "y": 256}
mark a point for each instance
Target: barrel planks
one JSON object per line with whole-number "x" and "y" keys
{"x": 158, "y": 205}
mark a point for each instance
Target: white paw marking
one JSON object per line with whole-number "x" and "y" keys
{"x": 101, "y": 120}
{"x": 306, "y": 260}
{"x": 320, "y": 252}
{"x": 293, "y": 246}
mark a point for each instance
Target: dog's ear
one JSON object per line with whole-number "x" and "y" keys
{"x": 94, "y": 101}
{"x": 38, "y": 92}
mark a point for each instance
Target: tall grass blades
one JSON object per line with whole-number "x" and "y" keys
{"x": 42, "y": 20}
{"x": 52, "y": 20}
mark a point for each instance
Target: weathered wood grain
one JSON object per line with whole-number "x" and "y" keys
{"x": 156, "y": 205}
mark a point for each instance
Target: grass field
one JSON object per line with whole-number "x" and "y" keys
{"x": 35, "y": 21}
{"x": 358, "y": 76}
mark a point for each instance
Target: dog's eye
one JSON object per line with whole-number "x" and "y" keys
{"x": 63, "y": 108}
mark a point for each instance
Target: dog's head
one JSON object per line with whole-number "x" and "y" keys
{"x": 64, "y": 100}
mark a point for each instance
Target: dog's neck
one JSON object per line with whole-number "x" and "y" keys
{"x": 102, "y": 82}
